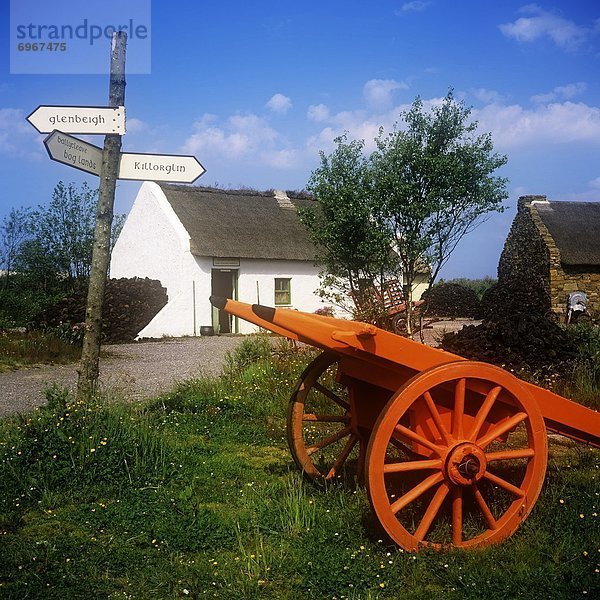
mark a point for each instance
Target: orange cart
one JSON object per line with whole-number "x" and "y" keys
{"x": 453, "y": 452}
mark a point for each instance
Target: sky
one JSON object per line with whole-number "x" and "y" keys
{"x": 255, "y": 90}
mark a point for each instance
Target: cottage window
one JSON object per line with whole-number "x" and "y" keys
{"x": 283, "y": 292}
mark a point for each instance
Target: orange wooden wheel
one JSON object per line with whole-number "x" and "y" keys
{"x": 481, "y": 457}
{"x": 320, "y": 432}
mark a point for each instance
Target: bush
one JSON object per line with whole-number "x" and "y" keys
{"x": 252, "y": 349}
{"x": 452, "y": 300}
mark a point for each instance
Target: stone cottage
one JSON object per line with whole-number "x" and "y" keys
{"x": 554, "y": 246}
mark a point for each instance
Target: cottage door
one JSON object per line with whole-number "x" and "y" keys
{"x": 223, "y": 284}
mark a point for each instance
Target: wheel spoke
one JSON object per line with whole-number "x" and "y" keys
{"x": 510, "y": 454}
{"x": 437, "y": 419}
{"x": 484, "y": 411}
{"x": 457, "y": 511}
{"x": 419, "y": 439}
{"x": 459, "y": 408}
{"x": 509, "y": 487}
{"x": 325, "y": 418}
{"x": 413, "y": 465}
{"x": 432, "y": 511}
{"x": 327, "y": 392}
{"x": 328, "y": 440}
{"x": 341, "y": 459}
{"x": 419, "y": 489}
{"x": 485, "y": 509}
{"x": 501, "y": 429}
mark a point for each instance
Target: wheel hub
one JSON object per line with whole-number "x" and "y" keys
{"x": 465, "y": 464}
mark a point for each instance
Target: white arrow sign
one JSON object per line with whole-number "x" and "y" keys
{"x": 79, "y": 119}
{"x": 74, "y": 152}
{"x": 160, "y": 167}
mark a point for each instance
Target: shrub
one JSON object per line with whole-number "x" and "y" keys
{"x": 253, "y": 348}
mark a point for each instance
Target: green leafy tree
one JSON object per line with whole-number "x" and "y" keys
{"x": 354, "y": 253}
{"x": 14, "y": 233}
{"x": 47, "y": 252}
{"x": 427, "y": 185}
{"x": 61, "y": 236}
{"x": 434, "y": 183}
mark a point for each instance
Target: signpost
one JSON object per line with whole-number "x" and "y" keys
{"x": 109, "y": 164}
{"x": 74, "y": 152}
{"x": 79, "y": 119}
{"x": 160, "y": 167}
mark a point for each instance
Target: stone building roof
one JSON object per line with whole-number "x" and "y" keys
{"x": 575, "y": 229}
{"x": 241, "y": 223}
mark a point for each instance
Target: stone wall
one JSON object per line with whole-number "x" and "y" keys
{"x": 524, "y": 266}
{"x": 531, "y": 259}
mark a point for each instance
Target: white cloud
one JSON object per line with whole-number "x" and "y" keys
{"x": 318, "y": 112}
{"x": 543, "y": 24}
{"x": 17, "y": 137}
{"x": 487, "y": 96}
{"x": 415, "y": 6}
{"x": 136, "y": 125}
{"x": 513, "y": 126}
{"x": 378, "y": 92}
{"x": 247, "y": 138}
{"x": 279, "y": 104}
{"x": 561, "y": 92}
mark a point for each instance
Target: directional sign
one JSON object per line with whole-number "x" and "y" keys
{"x": 74, "y": 152}
{"x": 160, "y": 167}
{"x": 79, "y": 119}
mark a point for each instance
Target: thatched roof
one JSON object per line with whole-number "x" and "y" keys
{"x": 241, "y": 223}
{"x": 575, "y": 228}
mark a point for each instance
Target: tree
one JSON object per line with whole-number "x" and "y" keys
{"x": 61, "y": 236}
{"x": 65, "y": 228}
{"x": 428, "y": 185}
{"x": 352, "y": 251}
{"x": 433, "y": 183}
{"x": 47, "y": 252}
{"x": 13, "y": 234}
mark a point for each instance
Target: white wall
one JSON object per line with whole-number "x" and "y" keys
{"x": 304, "y": 284}
{"x": 154, "y": 244}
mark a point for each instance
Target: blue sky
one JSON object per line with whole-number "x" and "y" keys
{"x": 255, "y": 89}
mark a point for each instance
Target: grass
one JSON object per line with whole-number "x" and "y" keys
{"x": 32, "y": 348}
{"x": 194, "y": 495}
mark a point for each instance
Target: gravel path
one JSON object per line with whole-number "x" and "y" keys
{"x": 134, "y": 371}
{"x": 145, "y": 369}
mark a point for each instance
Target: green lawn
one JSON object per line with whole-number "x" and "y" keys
{"x": 194, "y": 495}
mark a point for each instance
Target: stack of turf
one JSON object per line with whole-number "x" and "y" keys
{"x": 129, "y": 305}
{"x": 517, "y": 331}
{"x": 452, "y": 300}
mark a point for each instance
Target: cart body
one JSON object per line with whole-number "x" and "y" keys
{"x": 433, "y": 434}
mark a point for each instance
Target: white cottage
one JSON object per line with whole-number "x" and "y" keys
{"x": 196, "y": 241}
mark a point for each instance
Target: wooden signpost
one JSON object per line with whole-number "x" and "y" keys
{"x": 110, "y": 164}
